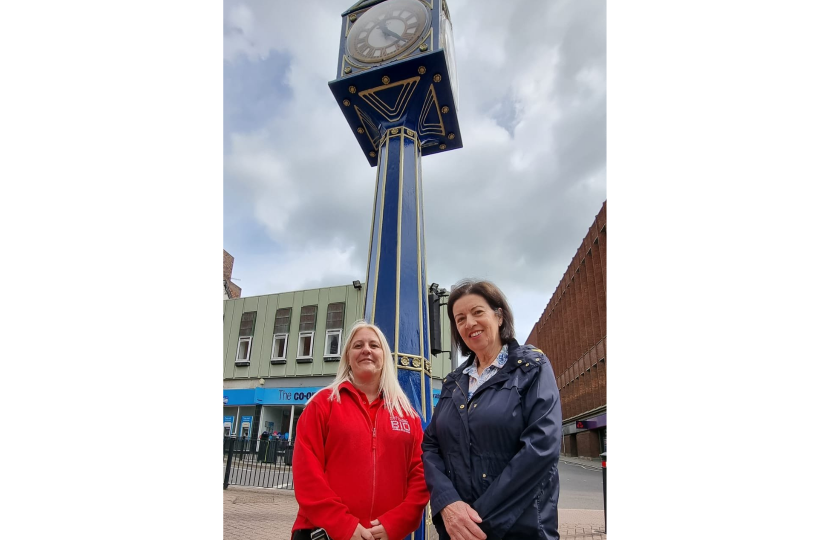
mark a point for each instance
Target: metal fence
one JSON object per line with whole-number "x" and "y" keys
{"x": 258, "y": 463}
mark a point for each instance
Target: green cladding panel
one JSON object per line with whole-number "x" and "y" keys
{"x": 266, "y": 307}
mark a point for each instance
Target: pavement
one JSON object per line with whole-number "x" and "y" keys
{"x": 588, "y": 463}
{"x": 252, "y": 513}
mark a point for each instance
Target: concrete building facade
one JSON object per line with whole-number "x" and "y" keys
{"x": 572, "y": 333}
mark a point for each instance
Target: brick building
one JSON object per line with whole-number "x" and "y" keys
{"x": 229, "y": 288}
{"x": 572, "y": 333}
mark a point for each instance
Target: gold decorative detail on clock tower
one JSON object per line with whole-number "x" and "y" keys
{"x": 391, "y": 105}
{"x": 430, "y": 120}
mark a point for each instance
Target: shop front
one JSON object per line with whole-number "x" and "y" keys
{"x": 585, "y": 437}
{"x": 262, "y": 413}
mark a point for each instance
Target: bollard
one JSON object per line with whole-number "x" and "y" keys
{"x": 604, "y": 496}
{"x": 228, "y": 464}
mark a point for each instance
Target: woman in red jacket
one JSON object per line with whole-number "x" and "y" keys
{"x": 357, "y": 457}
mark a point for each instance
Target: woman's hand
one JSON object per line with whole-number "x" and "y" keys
{"x": 460, "y": 520}
{"x": 361, "y": 533}
{"x": 378, "y": 531}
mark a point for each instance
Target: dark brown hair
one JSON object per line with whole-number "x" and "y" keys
{"x": 495, "y": 299}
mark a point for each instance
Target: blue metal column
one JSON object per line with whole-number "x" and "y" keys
{"x": 396, "y": 284}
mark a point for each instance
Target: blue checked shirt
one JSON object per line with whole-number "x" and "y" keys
{"x": 477, "y": 380}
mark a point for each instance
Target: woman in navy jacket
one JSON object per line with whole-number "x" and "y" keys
{"x": 492, "y": 448}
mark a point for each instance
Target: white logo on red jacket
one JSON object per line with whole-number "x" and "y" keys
{"x": 399, "y": 424}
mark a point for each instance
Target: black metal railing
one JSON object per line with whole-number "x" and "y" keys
{"x": 258, "y": 463}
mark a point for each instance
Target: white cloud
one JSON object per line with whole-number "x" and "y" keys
{"x": 512, "y": 205}
{"x": 299, "y": 269}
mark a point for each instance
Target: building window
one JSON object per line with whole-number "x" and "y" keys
{"x": 243, "y": 351}
{"x": 308, "y": 320}
{"x": 305, "y": 346}
{"x": 334, "y": 331}
{"x": 334, "y": 316}
{"x": 279, "y": 346}
{"x": 333, "y": 343}
{"x": 246, "y": 334}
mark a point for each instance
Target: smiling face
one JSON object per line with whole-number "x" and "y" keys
{"x": 366, "y": 356}
{"x": 478, "y": 324}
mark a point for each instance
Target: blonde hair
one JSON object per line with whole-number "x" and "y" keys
{"x": 393, "y": 395}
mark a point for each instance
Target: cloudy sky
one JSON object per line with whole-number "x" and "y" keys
{"x": 511, "y": 206}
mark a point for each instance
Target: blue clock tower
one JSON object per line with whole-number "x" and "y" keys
{"x": 396, "y": 87}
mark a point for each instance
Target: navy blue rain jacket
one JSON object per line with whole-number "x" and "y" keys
{"x": 499, "y": 451}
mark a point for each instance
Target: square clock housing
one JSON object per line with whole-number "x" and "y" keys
{"x": 396, "y": 67}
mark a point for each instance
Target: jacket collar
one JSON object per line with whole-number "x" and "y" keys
{"x": 510, "y": 365}
{"x": 347, "y": 385}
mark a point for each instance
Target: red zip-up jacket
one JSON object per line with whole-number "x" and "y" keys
{"x": 347, "y": 470}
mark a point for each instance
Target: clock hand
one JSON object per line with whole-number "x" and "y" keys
{"x": 389, "y": 32}
{"x": 384, "y": 31}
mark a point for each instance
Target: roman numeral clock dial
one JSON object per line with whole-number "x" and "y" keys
{"x": 387, "y": 30}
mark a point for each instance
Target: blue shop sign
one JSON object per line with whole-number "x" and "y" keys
{"x": 239, "y": 397}
{"x": 435, "y": 394}
{"x": 270, "y": 396}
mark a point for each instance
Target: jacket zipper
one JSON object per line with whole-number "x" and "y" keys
{"x": 374, "y": 469}
{"x": 469, "y": 453}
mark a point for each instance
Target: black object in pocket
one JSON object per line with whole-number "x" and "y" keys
{"x": 310, "y": 534}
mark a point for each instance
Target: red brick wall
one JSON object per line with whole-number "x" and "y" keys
{"x": 572, "y": 328}
{"x": 587, "y": 443}
{"x": 569, "y": 442}
{"x": 227, "y": 266}
{"x": 227, "y": 269}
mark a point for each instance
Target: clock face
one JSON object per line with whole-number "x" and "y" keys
{"x": 387, "y": 30}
